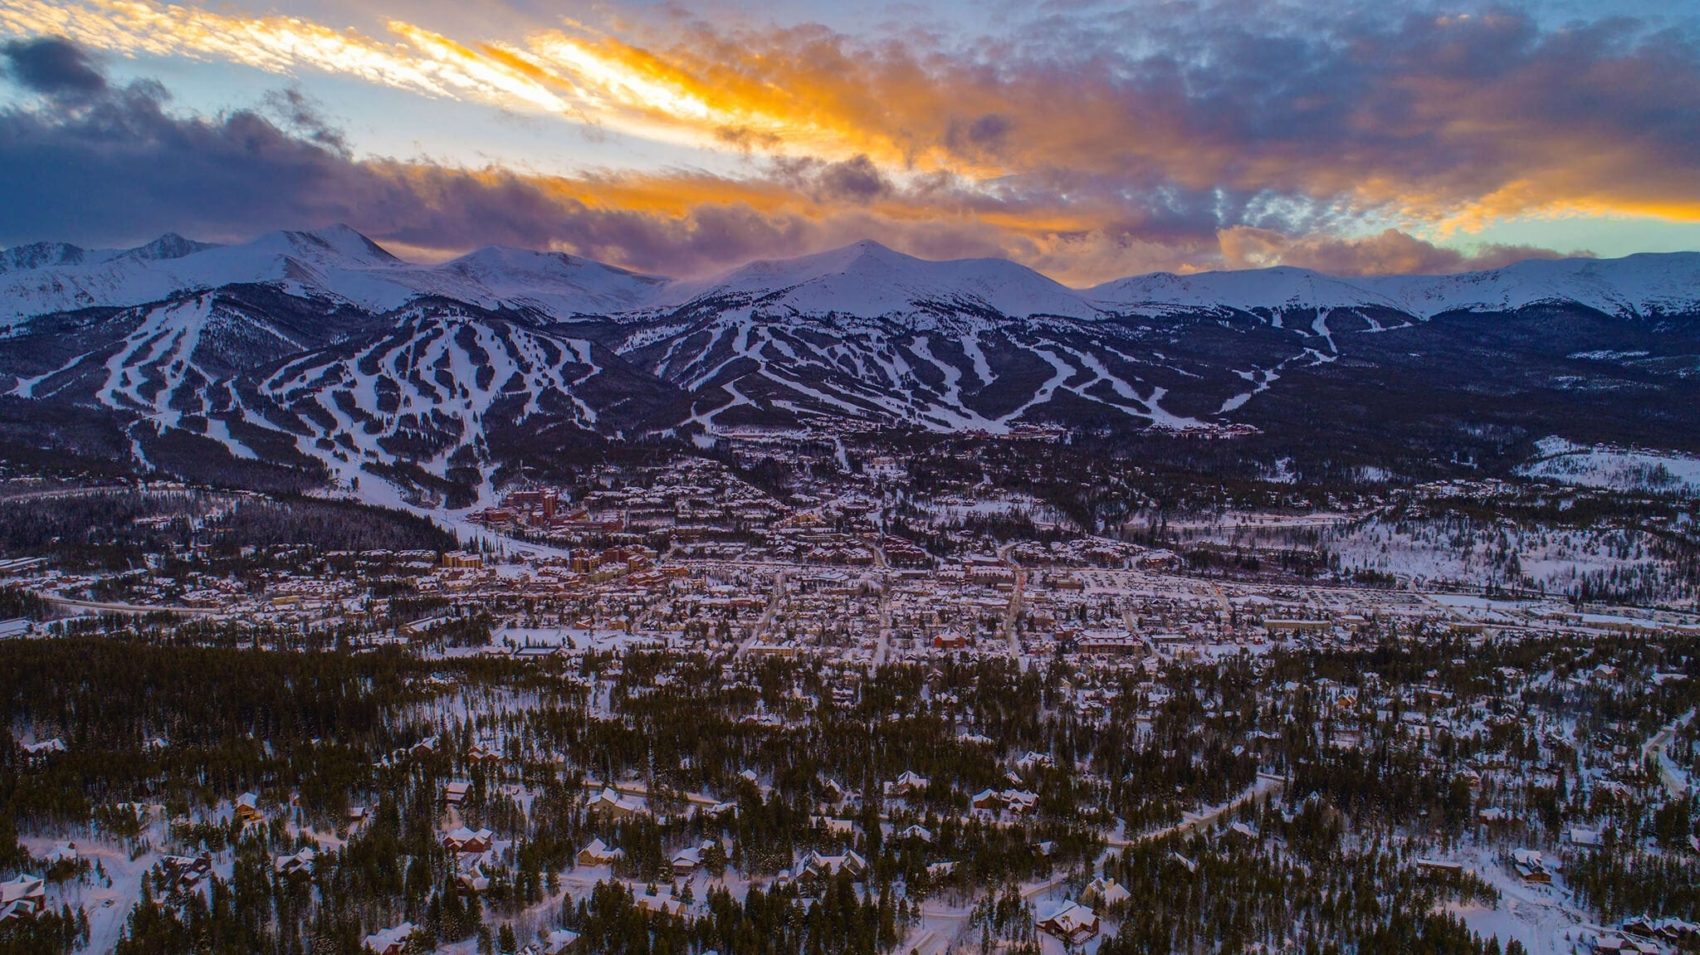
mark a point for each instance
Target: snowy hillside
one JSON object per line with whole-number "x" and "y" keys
{"x": 1620, "y": 469}
{"x": 863, "y": 280}
{"x": 337, "y": 263}
{"x": 1277, "y": 288}
{"x": 868, "y": 280}
{"x": 1634, "y": 286}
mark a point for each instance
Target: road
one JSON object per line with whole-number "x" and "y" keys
{"x": 1655, "y": 749}
{"x": 1266, "y": 784}
{"x": 757, "y": 631}
{"x": 1013, "y": 611}
{"x": 943, "y": 924}
{"x": 1133, "y": 629}
{"x": 884, "y": 647}
{"x": 137, "y": 609}
{"x": 884, "y": 565}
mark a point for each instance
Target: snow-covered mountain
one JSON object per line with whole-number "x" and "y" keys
{"x": 868, "y": 280}
{"x": 1636, "y": 286}
{"x": 336, "y": 264}
{"x": 862, "y": 280}
{"x": 322, "y": 354}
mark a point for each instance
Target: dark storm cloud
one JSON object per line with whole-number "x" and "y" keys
{"x": 51, "y": 66}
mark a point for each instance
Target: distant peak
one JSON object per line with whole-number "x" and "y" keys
{"x": 169, "y": 246}
{"x": 869, "y": 245}
{"x": 37, "y": 255}
{"x": 345, "y": 240}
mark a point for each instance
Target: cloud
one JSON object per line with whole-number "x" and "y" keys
{"x": 1390, "y": 252}
{"x": 118, "y": 165}
{"x": 1445, "y": 121}
{"x": 52, "y": 66}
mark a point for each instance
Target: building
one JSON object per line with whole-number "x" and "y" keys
{"x": 599, "y": 853}
{"x": 22, "y": 898}
{"x": 298, "y": 865}
{"x": 390, "y": 941}
{"x": 1530, "y": 866}
{"x": 1105, "y": 893}
{"x": 467, "y": 840}
{"x": 1071, "y": 922}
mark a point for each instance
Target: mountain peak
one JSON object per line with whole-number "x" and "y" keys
{"x": 168, "y": 246}
{"x": 343, "y": 240}
{"x": 37, "y": 255}
{"x": 869, "y": 280}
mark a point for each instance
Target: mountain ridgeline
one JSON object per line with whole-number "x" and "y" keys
{"x": 303, "y": 358}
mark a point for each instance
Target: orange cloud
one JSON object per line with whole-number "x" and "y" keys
{"x": 1076, "y": 155}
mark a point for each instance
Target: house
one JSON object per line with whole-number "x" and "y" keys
{"x": 599, "y": 853}
{"x": 940, "y": 870}
{"x": 559, "y": 942}
{"x": 916, "y": 833}
{"x": 248, "y": 808}
{"x": 454, "y": 793}
{"x": 63, "y": 852}
{"x": 818, "y": 866}
{"x": 472, "y": 880}
{"x": 1032, "y": 760}
{"x": 686, "y": 861}
{"x": 1105, "y": 893}
{"x": 479, "y": 753}
{"x": 1071, "y": 922}
{"x": 22, "y": 897}
{"x": 1020, "y": 800}
{"x": 184, "y": 873}
{"x": 298, "y": 865}
{"x": 660, "y": 904}
{"x": 832, "y": 792}
{"x": 466, "y": 840}
{"x": 616, "y": 805}
{"x": 1530, "y": 866}
{"x": 1493, "y": 816}
{"x": 390, "y": 941}
{"x": 907, "y": 784}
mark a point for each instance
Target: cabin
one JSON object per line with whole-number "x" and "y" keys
{"x": 390, "y": 941}
{"x": 298, "y": 865}
{"x": 1105, "y": 893}
{"x": 22, "y": 898}
{"x": 1530, "y": 866}
{"x": 560, "y": 942}
{"x": 616, "y": 805}
{"x": 1070, "y": 922}
{"x": 599, "y": 853}
{"x": 248, "y": 808}
{"x": 466, "y": 840}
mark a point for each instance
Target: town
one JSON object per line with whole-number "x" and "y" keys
{"x": 855, "y": 697}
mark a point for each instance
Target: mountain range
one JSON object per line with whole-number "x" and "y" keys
{"x": 302, "y": 357}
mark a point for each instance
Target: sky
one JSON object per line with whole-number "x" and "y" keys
{"x": 1087, "y": 140}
